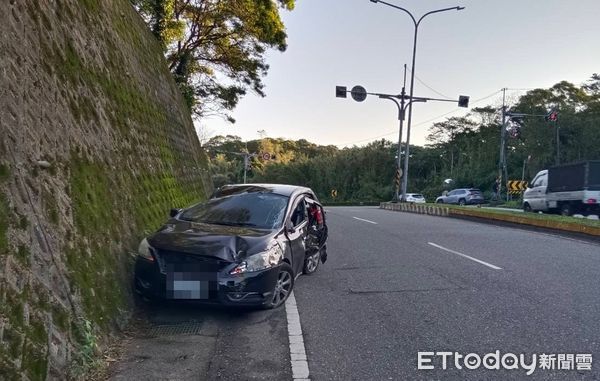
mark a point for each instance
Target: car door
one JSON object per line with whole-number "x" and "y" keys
{"x": 296, "y": 231}
{"x": 537, "y": 194}
{"x": 451, "y": 199}
{"x": 317, "y": 227}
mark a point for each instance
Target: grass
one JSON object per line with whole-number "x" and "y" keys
{"x": 84, "y": 359}
{"x": 531, "y": 216}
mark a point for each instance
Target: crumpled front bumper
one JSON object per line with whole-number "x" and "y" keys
{"x": 212, "y": 287}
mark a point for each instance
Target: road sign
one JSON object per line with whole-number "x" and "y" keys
{"x": 516, "y": 186}
{"x": 266, "y": 156}
{"x": 334, "y": 193}
{"x": 358, "y": 93}
{"x": 397, "y": 178}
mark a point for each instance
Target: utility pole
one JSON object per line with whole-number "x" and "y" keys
{"x": 557, "y": 143}
{"x": 399, "y": 162}
{"x": 246, "y": 156}
{"x": 502, "y": 173}
{"x": 246, "y": 161}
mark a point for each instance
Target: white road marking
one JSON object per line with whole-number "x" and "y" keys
{"x": 299, "y": 361}
{"x": 362, "y": 219}
{"x": 466, "y": 256}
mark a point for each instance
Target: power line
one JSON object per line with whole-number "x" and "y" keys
{"x": 431, "y": 88}
{"x": 523, "y": 89}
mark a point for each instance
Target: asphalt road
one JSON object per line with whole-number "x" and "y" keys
{"x": 388, "y": 293}
{"x": 396, "y": 284}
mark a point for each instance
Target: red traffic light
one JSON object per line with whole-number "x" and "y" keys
{"x": 552, "y": 116}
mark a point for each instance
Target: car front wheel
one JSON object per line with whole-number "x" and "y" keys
{"x": 283, "y": 287}
{"x": 311, "y": 263}
{"x": 462, "y": 201}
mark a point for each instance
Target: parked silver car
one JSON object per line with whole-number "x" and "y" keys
{"x": 416, "y": 198}
{"x": 462, "y": 196}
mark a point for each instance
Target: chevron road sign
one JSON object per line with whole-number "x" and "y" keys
{"x": 397, "y": 178}
{"x": 516, "y": 186}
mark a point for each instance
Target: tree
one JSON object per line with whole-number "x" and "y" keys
{"x": 215, "y": 48}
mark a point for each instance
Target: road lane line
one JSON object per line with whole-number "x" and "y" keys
{"x": 362, "y": 219}
{"x": 465, "y": 255}
{"x": 299, "y": 362}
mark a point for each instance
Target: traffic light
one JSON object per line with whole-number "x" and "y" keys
{"x": 463, "y": 101}
{"x": 340, "y": 91}
{"x": 552, "y": 116}
{"x": 515, "y": 132}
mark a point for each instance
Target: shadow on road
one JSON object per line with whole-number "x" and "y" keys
{"x": 192, "y": 341}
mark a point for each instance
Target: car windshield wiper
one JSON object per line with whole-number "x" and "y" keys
{"x": 227, "y": 223}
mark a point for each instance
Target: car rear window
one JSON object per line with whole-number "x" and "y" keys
{"x": 256, "y": 209}
{"x": 417, "y": 195}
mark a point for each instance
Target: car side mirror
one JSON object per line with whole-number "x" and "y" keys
{"x": 174, "y": 212}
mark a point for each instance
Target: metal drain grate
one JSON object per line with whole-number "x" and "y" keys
{"x": 188, "y": 328}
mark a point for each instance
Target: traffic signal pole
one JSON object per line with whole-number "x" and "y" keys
{"x": 359, "y": 94}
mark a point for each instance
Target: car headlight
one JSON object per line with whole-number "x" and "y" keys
{"x": 144, "y": 250}
{"x": 256, "y": 262}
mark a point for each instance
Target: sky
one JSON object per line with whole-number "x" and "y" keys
{"x": 477, "y": 51}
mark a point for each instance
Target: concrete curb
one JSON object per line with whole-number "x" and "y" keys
{"x": 571, "y": 227}
{"x": 431, "y": 210}
{"x": 434, "y": 210}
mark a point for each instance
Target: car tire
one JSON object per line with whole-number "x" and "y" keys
{"x": 439, "y": 202}
{"x": 311, "y": 263}
{"x": 142, "y": 302}
{"x": 527, "y": 208}
{"x": 283, "y": 287}
{"x": 462, "y": 202}
{"x": 566, "y": 209}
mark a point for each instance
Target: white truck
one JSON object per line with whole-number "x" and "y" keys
{"x": 566, "y": 189}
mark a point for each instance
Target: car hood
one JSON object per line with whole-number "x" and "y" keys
{"x": 229, "y": 243}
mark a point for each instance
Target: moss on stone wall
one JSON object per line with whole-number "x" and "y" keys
{"x": 100, "y": 105}
{"x": 4, "y": 221}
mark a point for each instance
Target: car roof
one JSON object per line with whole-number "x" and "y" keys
{"x": 280, "y": 189}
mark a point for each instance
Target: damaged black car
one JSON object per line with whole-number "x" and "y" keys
{"x": 245, "y": 246}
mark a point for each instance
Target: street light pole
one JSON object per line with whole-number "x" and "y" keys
{"x": 412, "y": 82}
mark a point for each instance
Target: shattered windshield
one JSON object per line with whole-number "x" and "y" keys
{"x": 257, "y": 209}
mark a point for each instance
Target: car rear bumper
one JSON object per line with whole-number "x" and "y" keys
{"x": 476, "y": 201}
{"x": 250, "y": 289}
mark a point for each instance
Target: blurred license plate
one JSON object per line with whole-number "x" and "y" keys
{"x": 186, "y": 286}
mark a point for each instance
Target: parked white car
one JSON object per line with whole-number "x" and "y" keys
{"x": 416, "y": 198}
